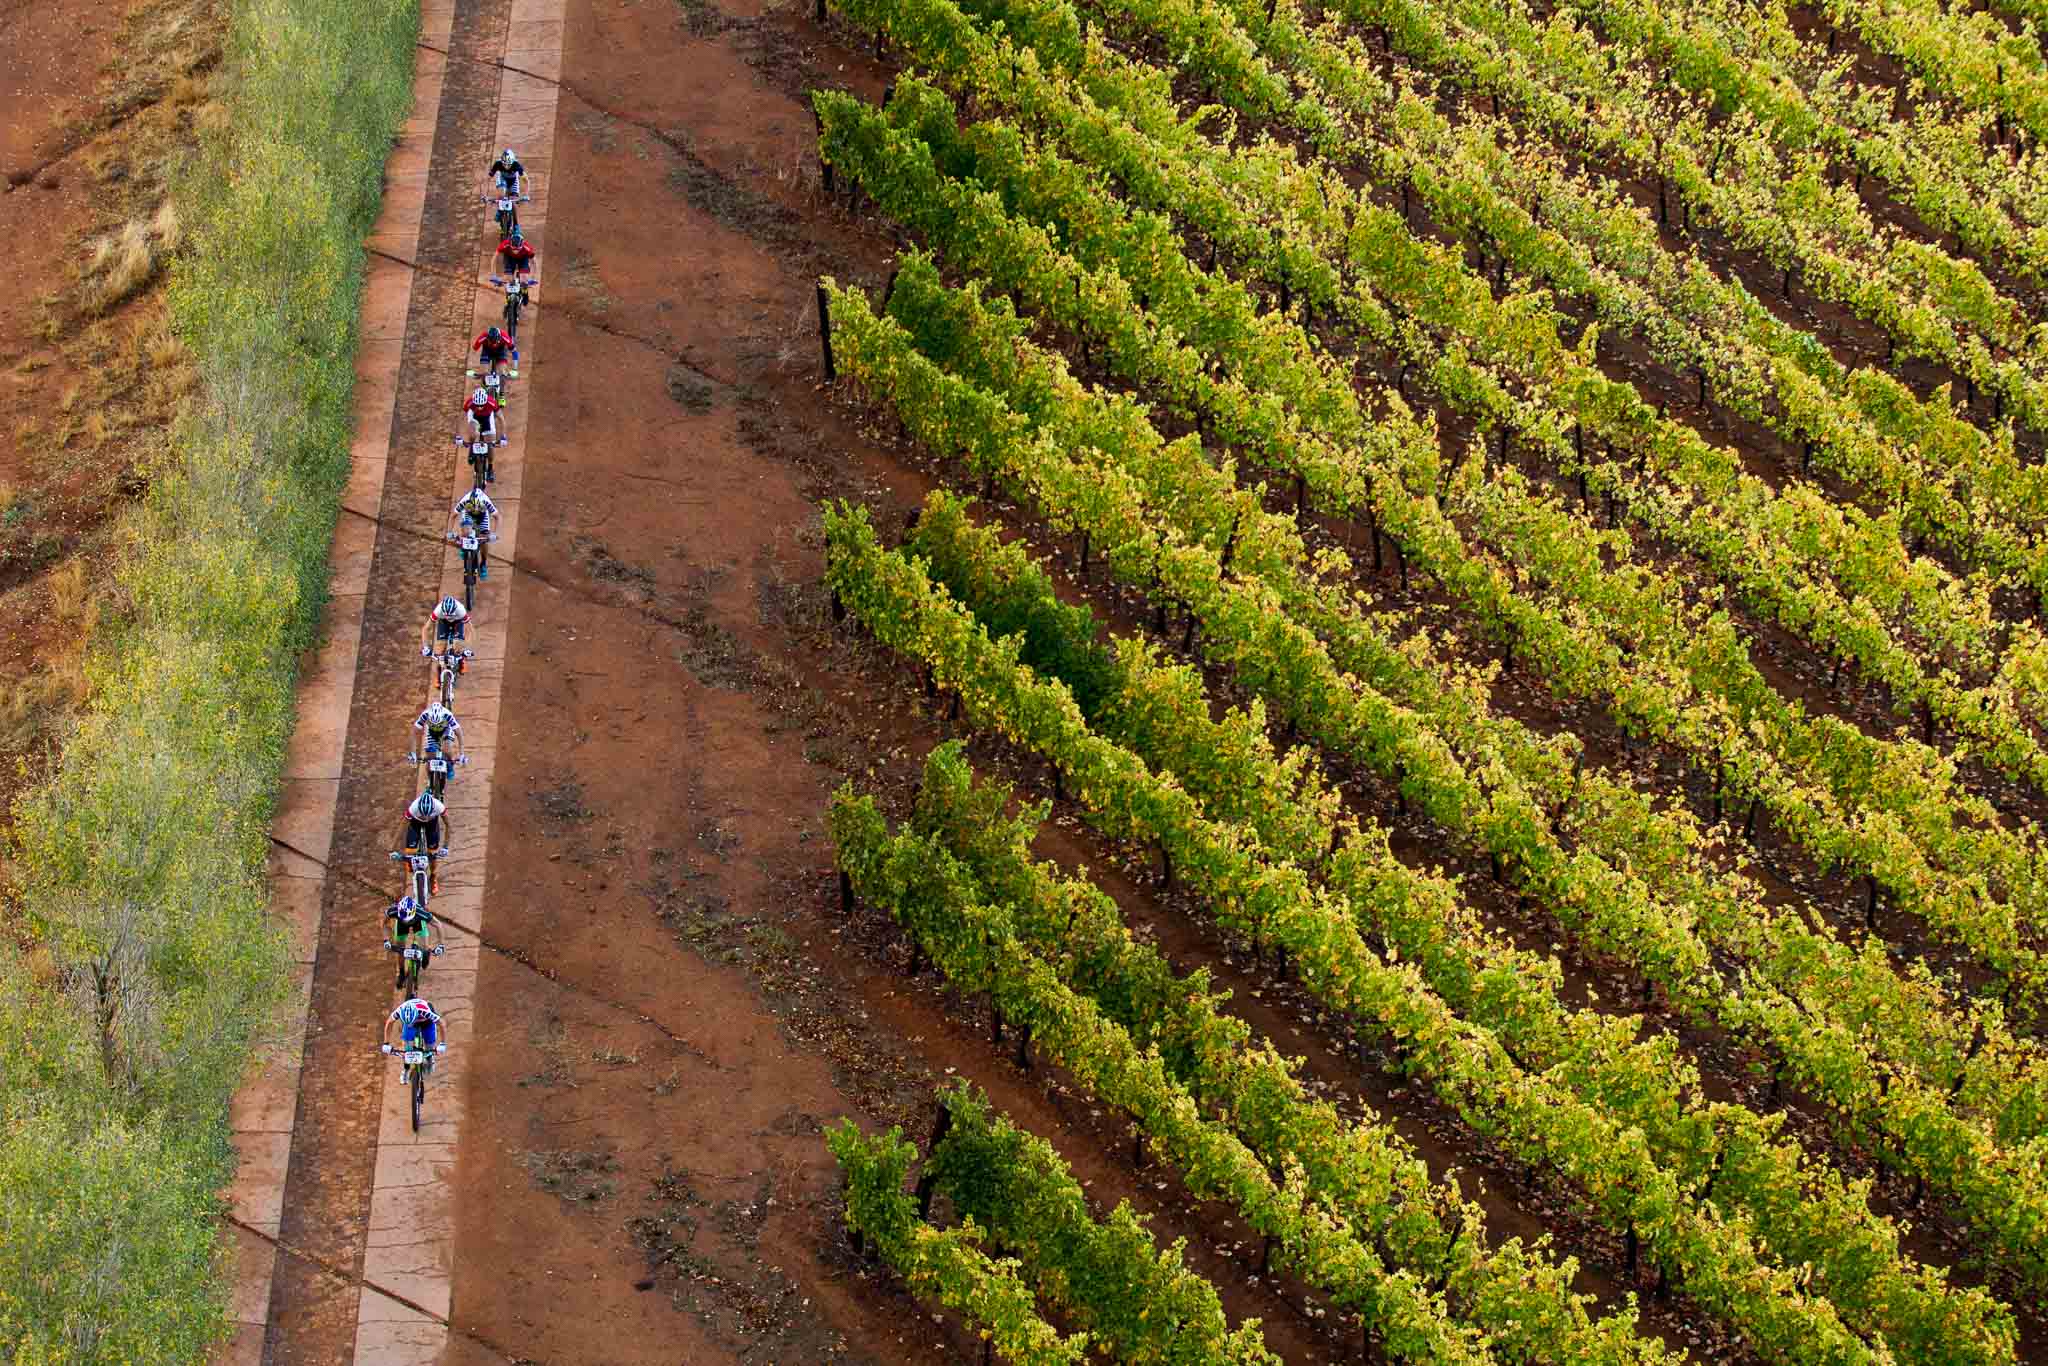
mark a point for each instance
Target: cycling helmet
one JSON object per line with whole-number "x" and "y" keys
{"x": 437, "y": 716}
{"x": 409, "y": 1013}
{"x": 510, "y": 155}
{"x": 407, "y": 907}
{"x": 518, "y": 234}
{"x": 482, "y": 395}
{"x": 492, "y": 334}
{"x": 449, "y": 606}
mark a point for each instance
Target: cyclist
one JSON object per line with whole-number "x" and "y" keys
{"x": 517, "y": 253}
{"x": 439, "y": 725}
{"x": 427, "y": 826}
{"x": 475, "y": 509}
{"x": 412, "y": 922}
{"x": 418, "y": 1022}
{"x": 506, "y": 173}
{"x": 448, "y": 620}
{"x": 491, "y": 345}
{"x": 481, "y": 410}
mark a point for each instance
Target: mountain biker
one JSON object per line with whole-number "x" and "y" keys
{"x": 417, "y": 1021}
{"x": 427, "y": 824}
{"x": 411, "y": 921}
{"x": 491, "y": 345}
{"x": 482, "y": 411}
{"x": 475, "y": 509}
{"x": 517, "y": 253}
{"x": 448, "y": 620}
{"x": 438, "y": 724}
{"x": 506, "y": 172}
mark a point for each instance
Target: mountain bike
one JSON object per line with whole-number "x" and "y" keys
{"x": 516, "y": 288}
{"x": 507, "y": 210}
{"x": 493, "y": 380}
{"x": 413, "y": 963}
{"x": 418, "y": 1062}
{"x": 448, "y": 665}
{"x": 481, "y": 462}
{"x": 437, "y": 767}
{"x": 472, "y": 562}
{"x": 421, "y": 865}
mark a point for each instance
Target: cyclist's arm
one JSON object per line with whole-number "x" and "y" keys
{"x": 447, "y": 829}
{"x": 426, "y": 633}
{"x": 434, "y": 936}
{"x": 455, "y": 739}
{"x": 384, "y": 1034}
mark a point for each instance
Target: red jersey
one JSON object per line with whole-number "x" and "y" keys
{"x": 484, "y": 338}
{"x": 482, "y": 412}
{"x": 517, "y": 251}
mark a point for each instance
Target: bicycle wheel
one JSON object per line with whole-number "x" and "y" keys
{"x": 411, "y": 971}
{"x": 419, "y": 1093}
{"x": 469, "y": 585}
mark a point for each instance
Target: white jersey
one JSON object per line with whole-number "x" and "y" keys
{"x": 447, "y": 732}
{"x": 460, "y": 613}
{"x": 425, "y": 1009}
{"x": 475, "y": 505}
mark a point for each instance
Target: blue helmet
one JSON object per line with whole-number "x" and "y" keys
{"x": 407, "y": 907}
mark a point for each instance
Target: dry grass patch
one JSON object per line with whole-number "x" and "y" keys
{"x": 120, "y": 265}
{"x": 70, "y": 593}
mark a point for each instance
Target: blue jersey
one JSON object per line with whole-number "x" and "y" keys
{"x": 425, "y": 1027}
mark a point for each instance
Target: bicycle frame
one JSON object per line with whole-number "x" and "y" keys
{"x": 414, "y": 957}
{"x": 421, "y": 866}
{"x": 448, "y": 663}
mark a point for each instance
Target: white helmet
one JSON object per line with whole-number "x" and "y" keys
{"x": 482, "y": 395}
{"x": 510, "y": 155}
{"x": 437, "y": 716}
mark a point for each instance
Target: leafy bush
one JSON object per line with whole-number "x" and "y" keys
{"x": 152, "y": 971}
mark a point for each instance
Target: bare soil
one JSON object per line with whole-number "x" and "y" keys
{"x": 90, "y": 381}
